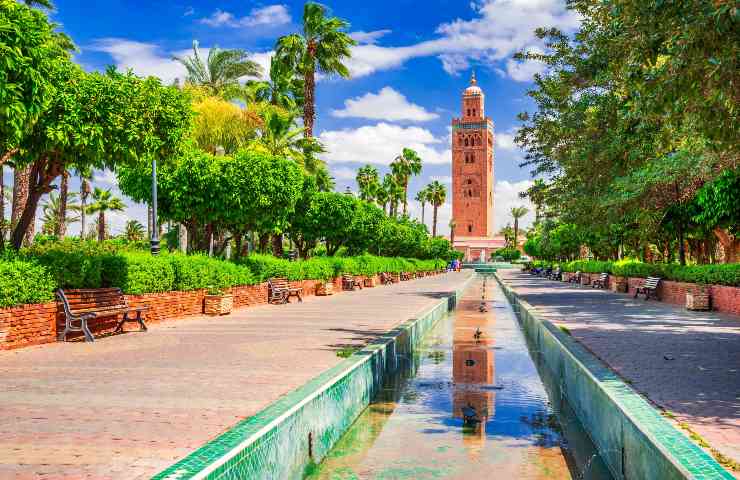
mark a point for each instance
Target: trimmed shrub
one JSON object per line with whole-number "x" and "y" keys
{"x": 137, "y": 273}
{"x": 24, "y": 282}
{"x": 72, "y": 263}
{"x": 200, "y": 271}
{"x": 587, "y": 266}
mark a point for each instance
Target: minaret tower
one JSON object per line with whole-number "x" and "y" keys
{"x": 472, "y": 173}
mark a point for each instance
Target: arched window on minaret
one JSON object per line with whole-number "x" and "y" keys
{"x": 466, "y": 141}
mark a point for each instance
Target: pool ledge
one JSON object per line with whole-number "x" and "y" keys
{"x": 632, "y": 437}
{"x": 292, "y": 435}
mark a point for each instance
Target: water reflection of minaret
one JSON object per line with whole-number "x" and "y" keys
{"x": 473, "y": 370}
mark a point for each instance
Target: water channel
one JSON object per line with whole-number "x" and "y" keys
{"x": 474, "y": 402}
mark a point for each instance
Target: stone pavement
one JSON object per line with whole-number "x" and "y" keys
{"x": 686, "y": 362}
{"x": 127, "y": 406}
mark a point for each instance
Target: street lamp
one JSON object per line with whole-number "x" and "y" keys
{"x": 155, "y": 230}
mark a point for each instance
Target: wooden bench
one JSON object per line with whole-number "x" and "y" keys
{"x": 555, "y": 274}
{"x": 649, "y": 287}
{"x": 81, "y": 306}
{"x": 602, "y": 281}
{"x": 281, "y": 291}
{"x": 386, "y": 278}
{"x": 349, "y": 282}
{"x": 576, "y": 278}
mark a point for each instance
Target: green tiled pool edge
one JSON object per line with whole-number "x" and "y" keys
{"x": 287, "y": 438}
{"x": 632, "y": 437}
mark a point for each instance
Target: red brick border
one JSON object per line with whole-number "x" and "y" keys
{"x": 34, "y": 324}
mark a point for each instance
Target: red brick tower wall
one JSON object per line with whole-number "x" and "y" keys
{"x": 472, "y": 167}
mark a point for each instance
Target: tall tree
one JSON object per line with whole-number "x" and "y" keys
{"x": 134, "y": 119}
{"x": 284, "y": 89}
{"x": 437, "y": 197}
{"x": 134, "y": 231}
{"x": 403, "y": 167}
{"x": 422, "y": 196}
{"x": 322, "y": 47}
{"x": 104, "y": 201}
{"x": 367, "y": 182}
{"x": 220, "y": 71}
{"x": 394, "y": 189}
{"x": 516, "y": 214}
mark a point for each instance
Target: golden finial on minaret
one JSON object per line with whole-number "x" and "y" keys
{"x": 473, "y": 81}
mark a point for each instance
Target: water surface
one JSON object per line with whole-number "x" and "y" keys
{"x": 470, "y": 404}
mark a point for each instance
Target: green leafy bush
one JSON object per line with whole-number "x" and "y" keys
{"x": 137, "y": 272}
{"x": 200, "y": 271}
{"x": 24, "y": 282}
{"x": 508, "y": 254}
{"x": 72, "y": 263}
{"x": 587, "y": 266}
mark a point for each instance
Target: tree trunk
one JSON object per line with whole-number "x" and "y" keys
{"x": 61, "y": 226}
{"x": 309, "y": 89}
{"x": 31, "y": 184}
{"x": 182, "y": 237}
{"x": 7, "y": 156}
{"x": 20, "y": 192}
{"x": 264, "y": 239}
{"x": 730, "y": 245}
{"x": 434, "y": 222}
{"x": 516, "y": 232}
{"x": 405, "y": 198}
{"x": 277, "y": 245}
{"x": 101, "y": 226}
{"x": 422, "y": 212}
{"x": 681, "y": 246}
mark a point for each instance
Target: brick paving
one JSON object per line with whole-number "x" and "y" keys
{"x": 127, "y": 406}
{"x": 686, "y": 362}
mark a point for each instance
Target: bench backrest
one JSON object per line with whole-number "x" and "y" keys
{"x": 279, "y": 283}
{"x": 90, "y": 300}
{"x": 347, "y": 276}
{"x": 651, "y": 282}
{"x": 603, "y": 276}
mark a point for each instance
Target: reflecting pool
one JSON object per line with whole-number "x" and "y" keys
{"x": 473, "y": 402}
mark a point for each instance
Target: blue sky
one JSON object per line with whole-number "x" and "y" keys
{"x": 413, "y": 61}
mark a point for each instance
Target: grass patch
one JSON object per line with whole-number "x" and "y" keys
{"x": 347, "y": 352}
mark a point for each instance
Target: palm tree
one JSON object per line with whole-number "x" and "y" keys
{"x": 453, "y": 224}
{"x": 134, "y": 231}
{"x": 437, "y": 197}
{"x": 324, "y": 181}
{"x": 322, "y": 46}
{"x": 382, "y": 197}
{"x": 421, "y": 197}
{"x": 403, "y": 167}
{"x": 285, "y": 88}
{"x": 517, "y": 213}
{"x": 395, "y": 192}
{"x": 221, "y": 70}
{"x": 368, "y": 181}
{"x": 50, "y": 212}
{"x": 85, "y": 179}
{"x": 280, "y": 137}
{"x": 104, "y": 201}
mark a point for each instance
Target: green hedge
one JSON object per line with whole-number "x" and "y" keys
{"x": 24, "y": 282}
{"x": 719, "y": 274}
{"x": 587, "y": 266}
{"x": 73, "y": 264}
{"x": 325, "y": 268}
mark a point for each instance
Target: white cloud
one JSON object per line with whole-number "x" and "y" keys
{"x": 505, "y": 140}
{"x": 368, "y": 37}
{"x": 381, "y": 143}
{"x": 505, "y": 197}
{"x": 501, "y": 28}
{"x": 147, "y": 59}
{"x": 387, "y": 104}
{"x": 272, "y": 15}
{"x": 344, "y": 173}
{"x": 144, "y": 59}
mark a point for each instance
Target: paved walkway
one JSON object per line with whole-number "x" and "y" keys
{"x": 129, "y": 405}
{"x": 686, "y": 362}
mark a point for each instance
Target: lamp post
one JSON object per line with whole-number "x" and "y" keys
{"x": 154, "y": 241}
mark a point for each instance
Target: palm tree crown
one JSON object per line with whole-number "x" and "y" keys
{"x": 403, "y": 167}
{"x": 437, "y": 196}
{"x": 422, "y": 196}
{"x": 220, "y": 71}
{"x": 323, "y": 45}
{"x": 104, "y": 201}
{"x": 517, "y": 213}
{"x": 368, "y": 182}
